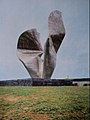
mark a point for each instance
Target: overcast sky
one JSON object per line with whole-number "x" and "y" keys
{"x": 17, "y": 16}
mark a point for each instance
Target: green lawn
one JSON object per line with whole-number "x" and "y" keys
{"x": 44, "y": 103}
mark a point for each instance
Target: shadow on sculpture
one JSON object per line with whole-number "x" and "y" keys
{"x": 29, "y": 49}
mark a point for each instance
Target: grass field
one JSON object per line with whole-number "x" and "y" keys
{"x": 44, "y": 103}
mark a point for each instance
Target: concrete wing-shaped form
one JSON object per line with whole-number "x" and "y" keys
{"x": 29, "y": 49}
{"x": 29, "y": 52}
{"x": 55, "y": 38}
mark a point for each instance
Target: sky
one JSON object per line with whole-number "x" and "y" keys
{"x": 17, "y": 16}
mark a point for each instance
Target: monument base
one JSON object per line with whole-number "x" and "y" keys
{"x": 51, "y": 82}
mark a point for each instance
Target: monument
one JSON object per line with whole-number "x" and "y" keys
{"x": 29, "y": 49}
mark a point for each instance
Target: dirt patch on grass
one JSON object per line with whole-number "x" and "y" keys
{"x": 37, "y": 116}
{"x": 26, "y": 115}
{"x": 12, "y": 98}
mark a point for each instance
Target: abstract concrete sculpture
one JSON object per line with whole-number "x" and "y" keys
{"x": 29, "y": 49}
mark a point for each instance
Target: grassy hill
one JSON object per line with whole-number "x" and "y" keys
{"x": 44, "y": 103}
